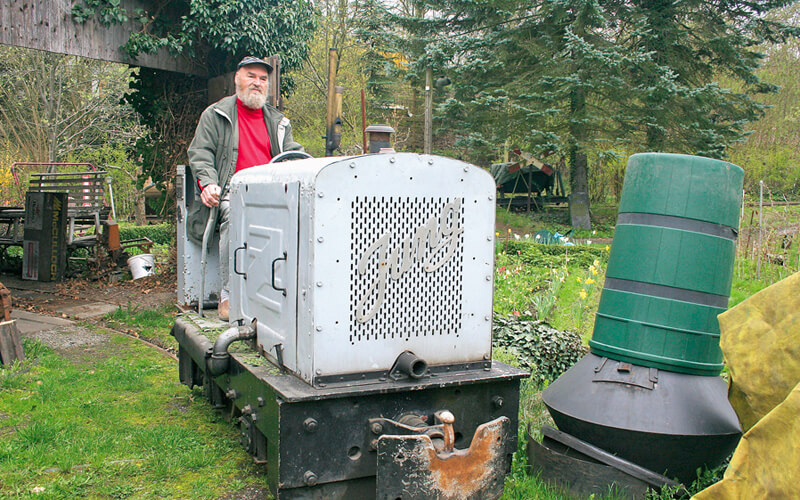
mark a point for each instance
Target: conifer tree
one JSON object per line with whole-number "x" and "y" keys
{"x": 575, "y": 76}
{"x": 699, "y": 42}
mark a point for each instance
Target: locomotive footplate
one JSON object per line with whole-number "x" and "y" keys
{"x": 446, "y": 436}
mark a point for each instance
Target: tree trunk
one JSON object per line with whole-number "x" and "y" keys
{"x": 579, "y": 169}
{"x": 415, "y": 134}
{"x": 52, "y": 148}
{"x": 11, "y": 348}
{"x": 140, "y": 216}
{"x": 139, "y": 208}
{"x": 579, "y": 208}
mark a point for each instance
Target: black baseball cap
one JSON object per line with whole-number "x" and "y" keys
{"x": 254, "y": 60}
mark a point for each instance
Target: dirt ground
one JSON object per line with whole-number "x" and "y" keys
{"x": 62, "y": 299}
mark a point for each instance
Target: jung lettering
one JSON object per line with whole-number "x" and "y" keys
{"x": 431, "y": 245}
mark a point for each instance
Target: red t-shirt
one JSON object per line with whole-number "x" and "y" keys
{"x": 254, "y": 148}
{"x": 253, "y": 137}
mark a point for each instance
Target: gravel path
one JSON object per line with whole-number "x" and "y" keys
{"x": 65, "y": 337}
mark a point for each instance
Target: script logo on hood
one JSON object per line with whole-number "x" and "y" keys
{"x": 431, "y": 244}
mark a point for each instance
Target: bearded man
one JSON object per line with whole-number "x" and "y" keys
{"x": 236, "y": 132}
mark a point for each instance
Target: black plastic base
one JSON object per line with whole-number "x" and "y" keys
{"x": 583, "y": 470}
{"x": 670, "y": 423}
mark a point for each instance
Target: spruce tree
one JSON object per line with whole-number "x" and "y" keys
{"x": 572, "y": 77}
{"x": 699, "y": 42}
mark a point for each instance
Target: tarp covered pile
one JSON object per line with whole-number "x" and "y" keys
{"x": 761, "y": 342}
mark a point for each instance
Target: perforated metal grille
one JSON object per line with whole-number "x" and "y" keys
{"x": 418, "y": 303}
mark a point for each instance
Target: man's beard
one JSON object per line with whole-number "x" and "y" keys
{"x": 251, "y": 98}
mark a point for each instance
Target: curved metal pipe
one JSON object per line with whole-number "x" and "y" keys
{"x": 411, "y": 365}
{"x": 212, "y": 221}
{"x": 217, "y": 364}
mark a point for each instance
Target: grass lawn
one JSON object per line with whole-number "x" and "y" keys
{"x": 152, "y": 325}
{"x": 557, "y": 220}
{"x": 110, "y": 420}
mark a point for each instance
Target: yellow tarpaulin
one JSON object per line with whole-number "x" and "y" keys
{"x": 761, "y": 343}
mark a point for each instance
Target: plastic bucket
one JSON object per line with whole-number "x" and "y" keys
{"x": 141, "y": 265}
{"x": 671, "y": 264}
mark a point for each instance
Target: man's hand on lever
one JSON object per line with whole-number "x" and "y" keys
{"x": 210, "y": 195}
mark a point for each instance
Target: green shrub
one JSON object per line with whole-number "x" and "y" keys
{"x": 550, "y": 256}
{"x": 161, "y": 234}
{"x": 11, "y": 259}
{"x": 545, "y": 351}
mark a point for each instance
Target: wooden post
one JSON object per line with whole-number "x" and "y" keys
{"x": 337, "y": 120}
{"x": 760, "y": 227}
{"x": 338, "y": 107}
{"x": 330, "y": 117}
{"x": 364, "y": 120}
{"x": 428, "y": 145}
{"x": 530, "y": 188}
{"x": 275, "y": 82}
{"x": 10, "y": 345}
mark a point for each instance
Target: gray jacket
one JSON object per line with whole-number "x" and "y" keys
{"x": 215, "y": 148}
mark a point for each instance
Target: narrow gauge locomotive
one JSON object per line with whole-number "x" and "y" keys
{"x": 358, "y": 360}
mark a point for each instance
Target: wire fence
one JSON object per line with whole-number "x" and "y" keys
{"x": 767, "y": 249}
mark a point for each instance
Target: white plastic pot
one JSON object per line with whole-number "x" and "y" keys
{"x": 141, "y": 265}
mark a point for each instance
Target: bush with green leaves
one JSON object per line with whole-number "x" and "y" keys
{"x": 550, "y": 256}
{"x": 545, "y": 351}
{"x": 160, "y": 234}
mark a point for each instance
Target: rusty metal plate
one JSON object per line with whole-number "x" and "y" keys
{"x": 410, "y": 468}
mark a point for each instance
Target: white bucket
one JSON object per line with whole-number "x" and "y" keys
{"x": 141, "y": 265}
